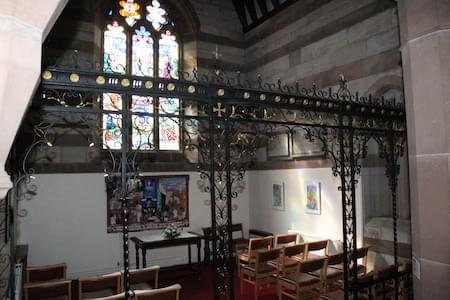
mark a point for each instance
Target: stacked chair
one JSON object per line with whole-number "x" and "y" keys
{"x": 300, "y": 270}
{"x": 47, "y": 282}
{"x": 50, "y": 282}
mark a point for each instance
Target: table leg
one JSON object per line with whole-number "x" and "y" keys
{"x": 207, "y": 250}
{"x": 144, "y": 259}
{"x": 137, "y": 256}
{"x": 199, "y": 245}
{"x": 189, "y": 254}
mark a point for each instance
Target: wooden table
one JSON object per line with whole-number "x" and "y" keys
{"x": 159, "y": 241}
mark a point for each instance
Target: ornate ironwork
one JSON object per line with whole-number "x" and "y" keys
{"x": 224, "y": 118}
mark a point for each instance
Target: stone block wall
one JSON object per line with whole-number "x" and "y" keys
{"x": 312, "y": 42}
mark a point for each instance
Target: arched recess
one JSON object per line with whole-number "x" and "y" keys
{"x": 386, "y": 83}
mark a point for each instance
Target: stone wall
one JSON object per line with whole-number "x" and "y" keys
{"x": 313, "y": 42}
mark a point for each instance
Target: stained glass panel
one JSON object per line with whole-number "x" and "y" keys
{"x": 143, "y": 126}
{"x": 115, "y": 49}
{"x": 112, "y": 101}
{"x": 169, "y": 105}
{"x": 142, "y": 49}
{"x": 156, "y": 15}
{"x": 112, "y": 123}
{"x": 112, "y": 133}
{"x": 169, "y": 134}
{"x": 168, "y": 56}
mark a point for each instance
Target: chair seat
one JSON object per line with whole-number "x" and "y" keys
{"x": 141, "y": 286}
{"x": 301, "y": 278}
{"x": 315, "y": 256}
{"x": 331, "y": 273}
{"x": 240, "y": 241}
{"x": 97, "y": 294}
{"x": 361, "y": 268}
{"x": 263, "y": 268}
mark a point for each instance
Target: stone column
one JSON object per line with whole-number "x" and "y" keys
{"x": 425, "y": 37}
{"x": 24, "y": 25}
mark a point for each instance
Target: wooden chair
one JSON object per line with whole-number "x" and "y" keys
{"x": 55, "y": 272}
{"x": 99, "y": 286}
{"x": 254, "y": 245}
{"x": 385, "y": 283}
{"x": 332, "y": 276}
{"x": 167, "y": 293}
{"x": 283, "y": 240}
{"x": 317, "y": 246}
{"x": 262, "y": 271}
{"x": 144, "y": 279}
{"x": 290, "y": 258}
{"x": 301, "y": 285}
{"x": 46, "y": 290}
{"x": 361, "y": 253}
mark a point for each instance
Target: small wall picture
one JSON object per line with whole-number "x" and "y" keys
{"x": 278, "y": 196}
{"x": 312, "y": 190}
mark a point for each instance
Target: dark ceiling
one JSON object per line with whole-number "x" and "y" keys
{"x": 254, "y": 12}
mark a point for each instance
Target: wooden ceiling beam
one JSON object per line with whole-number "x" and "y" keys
{"x": 240, "y": 9}
{"x": 263, "y": 6}
{"x": 251, "y": 9}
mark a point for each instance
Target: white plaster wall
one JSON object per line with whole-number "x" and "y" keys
{"x": 66, "y": 221}
{"x": 327, "y": 225}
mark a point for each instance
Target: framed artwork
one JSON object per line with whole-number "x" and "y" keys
{"x": 301, "y": 147}
{"x": 278, "y": 146}
{"x": 153, "y": 202}
{"x": 278, "y": 196}
{"x": 313, "y": 205}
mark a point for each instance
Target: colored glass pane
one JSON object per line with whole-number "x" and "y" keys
{"x": 112, "y": 101}
{"x": 143, "y": 126}
{"x": 115, "y": 49}
{"x": 169, "y": 134}
{"x": 168, "y": 56}
{"x": 130, "y": 11}
{"x": 169, "y": 105}
{"x": 142, "y": 49}
{"x": 112, "y": 133}
{"x": 156, "y": 15}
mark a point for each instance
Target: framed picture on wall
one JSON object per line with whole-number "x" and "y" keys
{"x": 312, "y": 193}
{"x": 153, "y": 202}
{"x": 278, "y": 196}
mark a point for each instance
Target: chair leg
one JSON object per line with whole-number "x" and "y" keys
{"x": 256, "y": 291}
{"x": 242, "y": 284}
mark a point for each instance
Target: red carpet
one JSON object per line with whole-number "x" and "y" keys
{"x": 195, "y": 288}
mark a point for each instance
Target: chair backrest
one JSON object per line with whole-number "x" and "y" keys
{"x": 120, "y": 296}
{"x": 238, "y": 228}
{"x": 266, "y": 256}
{"x": 167, "y": 293}
{"x": 311, "y": 265}
{"x": 88, "y": 287}
{"x": 386, "y": 273}
{"x": 318, "y": 245}
{"x": 283, "y": 240}
{"x": 296, "y": 250}
{"x": 255, "y": 244}
{"x": 46, "y": 273}
{"x": 149, "y": 276}
{"x": 44, "y": 290}
{"x": 260, "y": 243}
{"x": 335, "y": 259}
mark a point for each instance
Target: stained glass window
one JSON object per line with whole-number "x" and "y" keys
{"x": 156, "y": 15}
{"x": 115, "y": 49}
{"x": 147, "y": 48}
{"x": 168, "y": 56}
{"x": 169, "y": 128}
{"x": 143, "y": 126}
{"x": 142, "y": 53}
{"x": 112, "y": 122}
